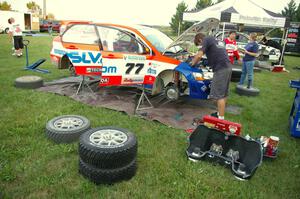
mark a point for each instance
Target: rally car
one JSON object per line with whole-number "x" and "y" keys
{"x": 122, "y": 55}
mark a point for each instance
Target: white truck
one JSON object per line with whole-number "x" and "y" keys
{"x": 27, "y": 21}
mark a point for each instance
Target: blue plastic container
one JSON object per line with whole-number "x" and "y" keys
{"x": 294, "y": 118}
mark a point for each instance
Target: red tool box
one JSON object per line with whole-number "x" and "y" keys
{"x": 222, "y": 125}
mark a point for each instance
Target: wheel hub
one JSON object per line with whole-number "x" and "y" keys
{"x": 68, "y": 123}
{"x": 172, "y": 94}
{"x": 108, "y": 138}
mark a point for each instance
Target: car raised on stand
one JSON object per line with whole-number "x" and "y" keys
{"x": 134, "y": 55}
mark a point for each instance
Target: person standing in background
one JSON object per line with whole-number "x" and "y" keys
{"x": 231, "y": 47}
{"x": 251, "y": 52}
{"x": 15, "y": 34}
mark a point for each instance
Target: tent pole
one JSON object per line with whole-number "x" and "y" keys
{"x": 224, "y": 24}
{"x": 284, "y": 44}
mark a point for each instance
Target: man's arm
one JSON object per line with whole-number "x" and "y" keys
{"x": 197, "y": 58}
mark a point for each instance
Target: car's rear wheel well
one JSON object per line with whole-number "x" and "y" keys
{"x": 64, "y": 62}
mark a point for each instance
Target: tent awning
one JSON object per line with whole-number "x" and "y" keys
{"x": 238, "y": 11}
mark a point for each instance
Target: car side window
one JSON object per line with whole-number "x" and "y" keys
{"x": 82, "y": 34}
{"x": 115, "y": 40}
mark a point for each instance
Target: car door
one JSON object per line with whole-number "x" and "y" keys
{"x": 125, "y": 58}
{"x": 82, "y": 45}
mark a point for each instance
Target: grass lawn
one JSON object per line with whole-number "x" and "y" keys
{"x": 32, "y": 166}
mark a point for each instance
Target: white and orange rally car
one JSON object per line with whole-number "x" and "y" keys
{"x": 122, "y": 55}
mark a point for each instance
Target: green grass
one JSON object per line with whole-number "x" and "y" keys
{"x": 32, "y": 166}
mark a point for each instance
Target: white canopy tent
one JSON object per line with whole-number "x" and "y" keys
{"x": 243, "y": 12}
{"x": 239, "y": 12}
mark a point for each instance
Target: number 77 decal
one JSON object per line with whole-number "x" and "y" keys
{"x": 132, "y": 65}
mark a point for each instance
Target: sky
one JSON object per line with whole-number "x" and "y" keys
{"x": 150, "y": 12}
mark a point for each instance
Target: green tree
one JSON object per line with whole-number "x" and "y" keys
{"x": 5, "y": 6}
{"x": 290, "y": 11}
{"x": 203, "y": 4}
{"x": 177, "y": 19}
{"x": 33, "y": 7}
{"x": 298, "y": 13}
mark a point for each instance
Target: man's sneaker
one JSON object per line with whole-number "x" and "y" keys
{"x": 214, "y": 114}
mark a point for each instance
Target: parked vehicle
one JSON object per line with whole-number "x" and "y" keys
{"x": 266, "y": 53}
{"x": 44, "y": 25}
{"x": 134, "y": 55}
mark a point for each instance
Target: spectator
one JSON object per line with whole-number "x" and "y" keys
{"x": 15, "y": 34}
{"x": 251, "y": 52}
{"x": 231, "y": 47}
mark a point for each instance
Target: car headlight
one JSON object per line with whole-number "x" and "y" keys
{"x": 198, "y": 76}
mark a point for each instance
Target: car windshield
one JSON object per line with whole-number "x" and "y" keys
{"x": 158, "y": 39}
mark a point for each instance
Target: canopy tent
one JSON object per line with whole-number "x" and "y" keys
{"x": 239, "y": 12}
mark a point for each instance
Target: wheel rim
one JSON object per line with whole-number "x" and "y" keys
{"x": 107, "y": 138}
{"x": 172, "y": 94}
{"x": 68, "y": 123}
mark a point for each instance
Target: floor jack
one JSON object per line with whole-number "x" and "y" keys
{"x": 34, "y": 66}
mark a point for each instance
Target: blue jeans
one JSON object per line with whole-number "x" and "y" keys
{"x": 247, "y": 71}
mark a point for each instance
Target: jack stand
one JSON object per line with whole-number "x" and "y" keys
{"x": 141, "y": 101}
{"x": 82, "y": 84}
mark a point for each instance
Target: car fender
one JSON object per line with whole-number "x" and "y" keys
{"x": 197, "y": 89}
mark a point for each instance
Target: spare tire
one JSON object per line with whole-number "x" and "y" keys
{"x": 67, "y": 128}
{"x": 108, "y": 147}
{"x": 243, "y": 90}
{"x": 236, "y": 75}
{"x": 107, "y": 176}
{"x": 29, "y": 81}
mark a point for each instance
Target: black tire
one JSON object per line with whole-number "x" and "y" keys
{"x": 172, "y": 92}
{"x": 30, "y": 82}
{"x": 107, "y": 176}
{"x": 63, "y": 130}
{"x": 236, "y": 75}
{"x": 243, "y": 90}
{"x": 108, "y": 157}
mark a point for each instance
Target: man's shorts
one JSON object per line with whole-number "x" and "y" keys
{"x": 220, "y": 83}
{"x": 18, "y": 42}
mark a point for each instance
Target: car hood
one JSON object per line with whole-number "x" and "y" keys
{"x": 186, "y": 39}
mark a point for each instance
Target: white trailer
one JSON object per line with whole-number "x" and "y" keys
{"x": 27, "y": 21}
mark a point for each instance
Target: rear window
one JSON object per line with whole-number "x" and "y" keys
{"x": 83, "y": 34}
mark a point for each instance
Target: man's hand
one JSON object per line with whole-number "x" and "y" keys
{"x": 197, "y": 58}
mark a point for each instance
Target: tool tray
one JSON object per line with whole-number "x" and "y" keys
{"x": 242, "y": 156}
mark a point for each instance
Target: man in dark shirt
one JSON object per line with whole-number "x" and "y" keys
{"x": 219, "y": 62}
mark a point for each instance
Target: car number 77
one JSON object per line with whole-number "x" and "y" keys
{"x": 132, "y": 65}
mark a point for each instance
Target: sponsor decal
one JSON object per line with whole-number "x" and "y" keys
{"x": 134, "y": 58}
{"x": 85, "y": 58}
{"x": 151, "y": 71}
{"x": 203, "y": 88}
{"x": 59, "y": 52}
{"x": 153, "y": 65}
{"x": 132, "y": 80}
{"x": 93, "y": 70}
{"x": 104, "y": 80}
{"x": 109, "y": 69}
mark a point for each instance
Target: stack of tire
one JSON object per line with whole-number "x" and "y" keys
{"x": 107, "y": 155}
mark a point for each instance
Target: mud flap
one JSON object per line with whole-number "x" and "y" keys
{"x": 242, "y": 156}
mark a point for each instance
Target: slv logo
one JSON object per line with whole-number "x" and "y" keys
{"x": 85, "y": 58}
